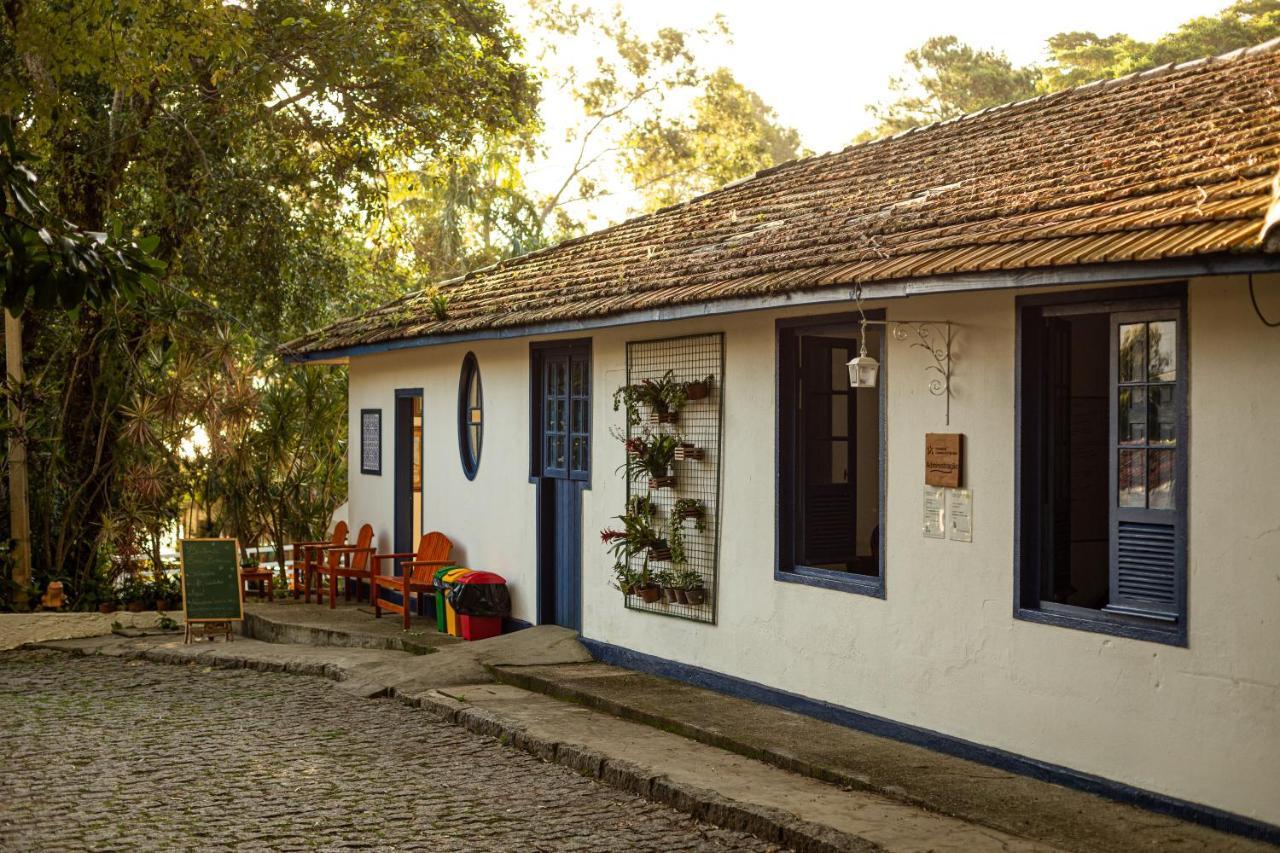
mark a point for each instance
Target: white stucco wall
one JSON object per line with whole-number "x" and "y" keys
{"x": 942, "y": 650}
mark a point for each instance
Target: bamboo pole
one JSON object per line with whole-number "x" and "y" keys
{"x": 19, "y": 514}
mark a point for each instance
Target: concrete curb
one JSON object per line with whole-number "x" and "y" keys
{"x": 256, "y": 626}
{"x": 771, "y": 825}
{"x": 516, "y": 677}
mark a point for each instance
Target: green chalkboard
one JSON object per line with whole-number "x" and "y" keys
{"x": 211, "y": 579}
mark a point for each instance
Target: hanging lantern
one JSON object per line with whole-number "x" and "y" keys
{"x": 863, "y": 369}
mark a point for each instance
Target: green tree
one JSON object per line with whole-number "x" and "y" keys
{"x": 730, "y": 133}
{"x": 255, "y": 139}
{"x": 949, "y": 78}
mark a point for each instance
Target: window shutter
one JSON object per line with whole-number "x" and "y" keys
{"x": 1148, "y": 446}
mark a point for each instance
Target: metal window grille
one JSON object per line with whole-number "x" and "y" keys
{"x": 691, "y": 359}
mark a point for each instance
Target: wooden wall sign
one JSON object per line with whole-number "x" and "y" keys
{"x": 210, "y": 582}
{"x": 942, "y": 459}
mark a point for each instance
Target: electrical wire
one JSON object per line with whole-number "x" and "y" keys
{"x": 1254, "y": 299}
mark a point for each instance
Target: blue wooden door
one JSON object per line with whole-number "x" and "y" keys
{"x": 562, "y": 465}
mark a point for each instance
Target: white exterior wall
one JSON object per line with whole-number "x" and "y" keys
{"x": 942, "y": 651}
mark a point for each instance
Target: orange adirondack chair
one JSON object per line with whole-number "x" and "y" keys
{"x": 350, "y": 562}
{"x": 308, "y": 559}
{"x": 433, "y": 552}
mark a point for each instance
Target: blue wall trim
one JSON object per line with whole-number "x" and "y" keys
{"x": 947, "y": 744}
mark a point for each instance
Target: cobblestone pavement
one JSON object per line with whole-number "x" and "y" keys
{"x": 105, "y": 754}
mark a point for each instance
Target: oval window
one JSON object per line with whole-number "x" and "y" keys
{"x": 470, "y": 415}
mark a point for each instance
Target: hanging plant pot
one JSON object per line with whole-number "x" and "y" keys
{"x": 696, "y": 596}
{"x": 669, "y": 594}
{"x": 681, "y": 596}
{"x": 689, "y": 451}
{"x": 106, "y": 608}
{"x": 650, "y": 594}
{"x": 698, "y": 390}
{"x": 662, "y": 553}
{"x": 668, "y": 482}
{"x": 663, "y": 417}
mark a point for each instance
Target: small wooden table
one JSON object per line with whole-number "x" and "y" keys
{"x": 263, "y": 576}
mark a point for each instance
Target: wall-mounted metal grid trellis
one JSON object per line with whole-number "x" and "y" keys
{"x": 691, "y": 359}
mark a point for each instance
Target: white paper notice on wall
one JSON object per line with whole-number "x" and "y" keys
{"x": 934, "y": 506}
{"x": 960, "y": 515}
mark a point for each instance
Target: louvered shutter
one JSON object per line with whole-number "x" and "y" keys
{"x": 1148, "y": 405}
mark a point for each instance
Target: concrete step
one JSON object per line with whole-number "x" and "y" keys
{"x": 345, "y": 626}
{"x": 975, "y": 793}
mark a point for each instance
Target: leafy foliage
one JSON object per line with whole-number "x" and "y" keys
{"x": 731, "y": 133}
{"x": 949, "y": 78}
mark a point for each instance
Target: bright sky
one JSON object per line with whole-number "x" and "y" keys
{"x": 818, "y": 64}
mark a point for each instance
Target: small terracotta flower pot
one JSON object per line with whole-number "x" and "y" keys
{"x": 134, "y": 607}
{"x": 697, "y": 390}
{"x": 681, "y": 597}
{"x": 106, "y": 608}
{"x": 669, "y": 594}
{"x": 696, "y": 596}
{"x": 650, "y": 594}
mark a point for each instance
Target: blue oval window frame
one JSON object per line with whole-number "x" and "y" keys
{"x": 470, "y": 416}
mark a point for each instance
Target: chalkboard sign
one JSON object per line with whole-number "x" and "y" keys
{"x": 371, "y": 441}
{"x": 211, "y": 580}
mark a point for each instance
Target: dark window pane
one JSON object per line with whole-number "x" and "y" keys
{"x": 560, "y": 423}
{"x": 579, "y": 416}
{"x": 475, "y": 435}
{"x": 840, "y": 462}
{"x": 1162, "y": 414}
{"x": 1131, "y": 486}
{"x": 1133, "y": 352}
{"x": 579, "y": 378}
{"x": 557, "y": 453}
{"x": 1162, "y": 345}
{"x": 1133, "y": 415}
{"x": 578, "y": 456}
{"x": 839, "y": 369}
{"x": 1160, "y": 479}
{"x": 840, "y": 417}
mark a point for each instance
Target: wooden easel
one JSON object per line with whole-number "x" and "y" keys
{"x": 217, "y": 584}
{"x": 209, "y": 629}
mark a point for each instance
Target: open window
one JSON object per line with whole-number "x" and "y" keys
{"x": 1102, "y": 464}
{"x": 830, "y": 457}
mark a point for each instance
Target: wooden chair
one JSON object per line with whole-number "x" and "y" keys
{"x": 433, "y": 553}
{"x": 308, "y": 560}
{"x": 352, "y": 562}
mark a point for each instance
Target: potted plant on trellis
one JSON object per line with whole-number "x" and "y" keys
{"x": 693, "y": 509}
{"x": 654, "y": 461}
{"x": 699, "y": 389}
{"x": 637, "y": 537}
{"x": 663, "y": 397}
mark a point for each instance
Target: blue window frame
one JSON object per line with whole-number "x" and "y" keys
{"x": 470, "y": 416}
{"x": 831, "y": 509}
{"x": 1102, "y": 462}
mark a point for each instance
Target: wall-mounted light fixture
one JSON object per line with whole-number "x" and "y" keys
{"x": 933, "y": 336}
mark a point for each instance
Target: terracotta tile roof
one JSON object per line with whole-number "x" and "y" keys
{"x": 1173, "y": 162}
